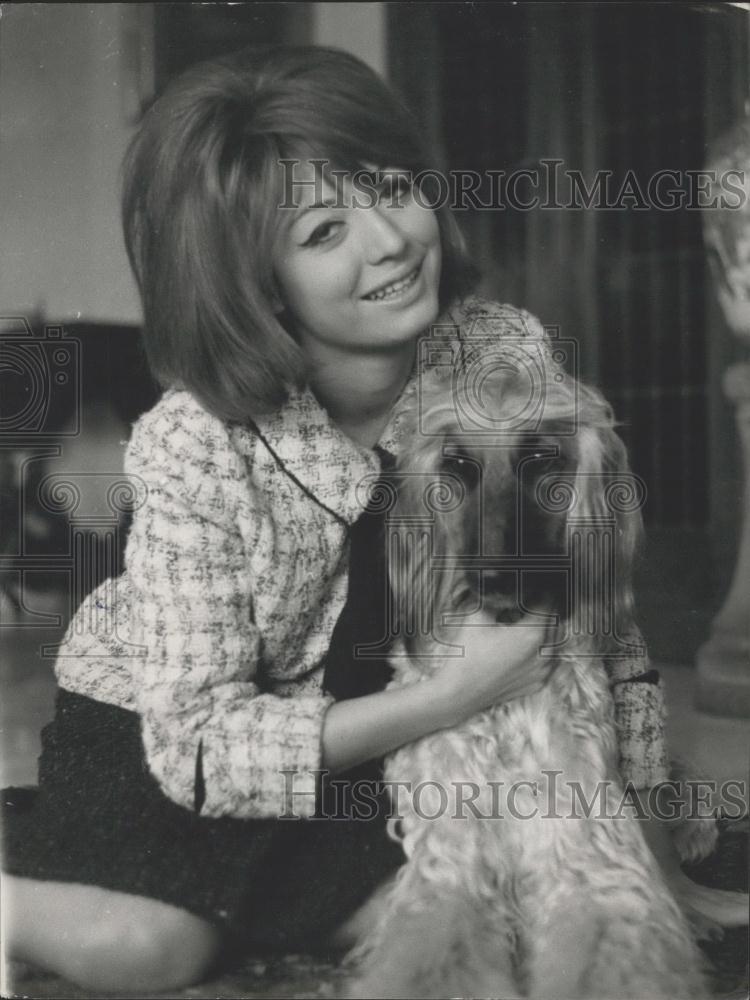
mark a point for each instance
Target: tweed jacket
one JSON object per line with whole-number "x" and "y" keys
{"x": 235, "y": 574}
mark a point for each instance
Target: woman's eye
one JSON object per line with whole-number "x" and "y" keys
{"x": 322, "y": 234}
{"x": 395, "y": 188}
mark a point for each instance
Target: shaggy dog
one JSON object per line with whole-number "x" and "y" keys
{"x": 527, "y": 892}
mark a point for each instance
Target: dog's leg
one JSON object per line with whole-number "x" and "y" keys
{"x": 431, "y": 941}
{"x": 614, "y": 942}
{"x": 558, "y": 964}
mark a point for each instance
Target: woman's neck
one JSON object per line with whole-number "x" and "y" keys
{"x": 359, "y": 390}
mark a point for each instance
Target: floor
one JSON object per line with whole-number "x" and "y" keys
{"x": 714, "y": 747}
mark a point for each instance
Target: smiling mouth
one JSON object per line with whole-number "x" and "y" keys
{"x": 395, "y": 288}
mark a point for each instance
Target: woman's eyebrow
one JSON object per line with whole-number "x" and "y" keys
{"x": 290, "y": 216}
{"x": 300, "y": 212}
{"x": 310, "y": 208}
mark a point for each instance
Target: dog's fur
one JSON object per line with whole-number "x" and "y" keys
{"x": 504, "y": 907}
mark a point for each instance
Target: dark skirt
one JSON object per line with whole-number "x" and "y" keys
{"x": 98, "y": 817}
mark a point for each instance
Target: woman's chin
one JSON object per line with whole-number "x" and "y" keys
{"x": 417, "y": 318}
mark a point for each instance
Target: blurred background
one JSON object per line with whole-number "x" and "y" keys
{"x": 618, "y": 87}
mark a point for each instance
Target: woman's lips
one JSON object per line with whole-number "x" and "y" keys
{"x": 394, "y": 288}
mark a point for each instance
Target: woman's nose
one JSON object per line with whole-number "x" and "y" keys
{"x": 382, "y": 234}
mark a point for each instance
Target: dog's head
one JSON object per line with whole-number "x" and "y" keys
{"x": 497, "y": 516}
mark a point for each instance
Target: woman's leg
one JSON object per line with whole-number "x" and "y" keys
{"x": 105, "y": 940}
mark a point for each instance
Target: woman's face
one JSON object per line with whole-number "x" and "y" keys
{"x": 358, "y": 277}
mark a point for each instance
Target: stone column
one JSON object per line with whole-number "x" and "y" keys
{"x": 723, "y": 662}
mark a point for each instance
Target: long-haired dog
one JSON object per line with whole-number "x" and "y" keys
{"x": 511, "y": 885}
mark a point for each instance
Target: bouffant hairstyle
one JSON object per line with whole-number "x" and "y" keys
{"x": 201, "y": 196}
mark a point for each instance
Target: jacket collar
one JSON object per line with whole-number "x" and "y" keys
{"x": 315, "y": 452}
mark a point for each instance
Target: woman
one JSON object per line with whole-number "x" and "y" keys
{"x": 286, "y": 275}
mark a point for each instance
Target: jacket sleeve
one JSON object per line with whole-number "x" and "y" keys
{"x": 640, "y": 713}
{"x": 213, "y": 739}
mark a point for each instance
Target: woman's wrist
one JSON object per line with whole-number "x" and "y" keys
{"x": 452, "y": 697}
{"x": 448, "y": 699}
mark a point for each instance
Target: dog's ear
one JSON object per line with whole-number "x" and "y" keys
{"x": 607, "y": 517}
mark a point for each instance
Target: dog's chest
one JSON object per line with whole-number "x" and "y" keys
{"x": 566, "y": 729}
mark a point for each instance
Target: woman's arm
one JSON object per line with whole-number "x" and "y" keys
{"x": 499, "y": 662}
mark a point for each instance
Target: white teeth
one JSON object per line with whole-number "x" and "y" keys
{"x": 391, "y": 291}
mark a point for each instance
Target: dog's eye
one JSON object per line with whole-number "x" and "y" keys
{"x": 466, "y": 469}
{"x": 538, "y": 460}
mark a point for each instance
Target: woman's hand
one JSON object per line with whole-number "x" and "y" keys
{"x": 499, "y": 662}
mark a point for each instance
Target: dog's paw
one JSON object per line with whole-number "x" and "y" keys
{"x": 695, "y": 839}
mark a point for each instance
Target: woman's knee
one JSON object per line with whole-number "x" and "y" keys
{"x": 162, "y": 948}
{"x": 184, "y": 949}
{"x": 105, "y": 940}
